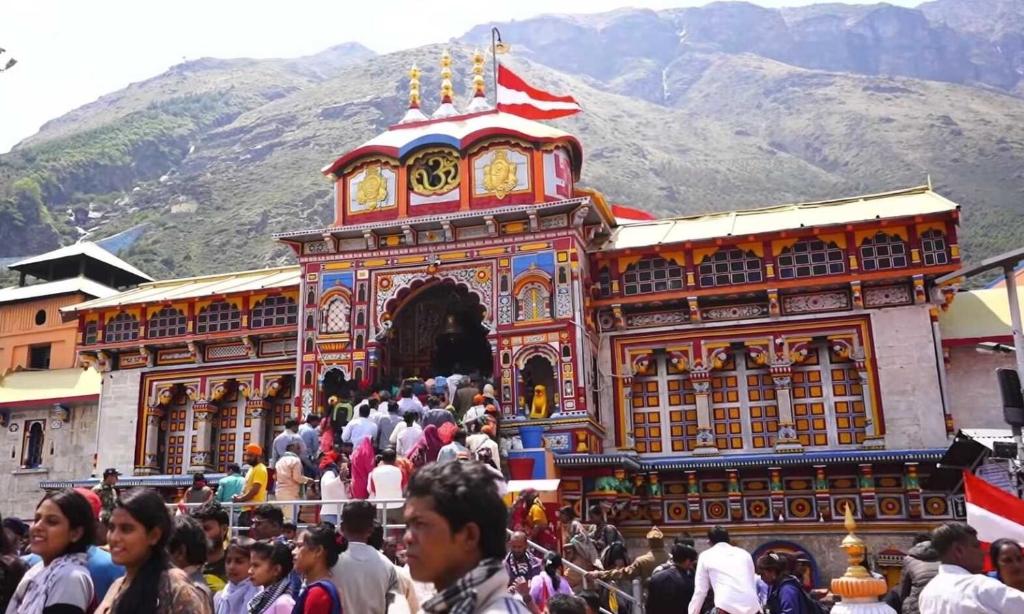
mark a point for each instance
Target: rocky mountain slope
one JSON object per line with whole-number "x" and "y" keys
{"x": 723, "y": 106}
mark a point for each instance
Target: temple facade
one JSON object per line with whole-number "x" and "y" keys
{"x": 763, "y": 368}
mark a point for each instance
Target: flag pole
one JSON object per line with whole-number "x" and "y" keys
{"x": 497, "y": 46}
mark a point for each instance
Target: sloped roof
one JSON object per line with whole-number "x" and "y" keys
{"x": 85, "y": 249}
{"x": 978, "y": 315}
{"x": 51, "y": 385}
{"x": 458, "y": 131}
{"x": 196, "y": 287}
{"x": 56, "y": 288}
{"x": 901, "y": 203}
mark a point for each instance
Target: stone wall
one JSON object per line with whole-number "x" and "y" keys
{"x": 973, "y": 393}
{"x": 119, "y": 415}
{"x": 908, "y": 378}
{"x": 68, "y": 449}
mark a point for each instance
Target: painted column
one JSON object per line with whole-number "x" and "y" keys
{"x": 702, "y": 391}
{"x": 873, "y": 436}
{"x": 821, "y": 493}
{"x": 735, "y": 495}
{"x": 778, "y": 493}
{"x": 782, "y": 376}
{"x": 150, "y": 461}
{"x": 866, "y": 484}
{"x": 693, "y": 496}
{"x": 912, "y": 485}
{"x": 202, "y": 456}
{"x": 256, "y": 410}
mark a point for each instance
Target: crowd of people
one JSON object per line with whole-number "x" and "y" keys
{"x": 424, "y": 528}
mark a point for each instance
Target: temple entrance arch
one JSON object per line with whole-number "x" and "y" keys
{"x": 334, "y": 382}
{"x": 537, "y": 366}
{"x": 437, "y": 330}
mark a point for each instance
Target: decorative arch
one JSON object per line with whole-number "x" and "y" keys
{"x": 394, "y": 292}
{"x": 883, "y": 251}
{"x": 811, "y": 257}
{"x": 218, "y": 316}
{"x": 122, "y": 327}
{"x": 166, "y": 322}
{"x": 336, "y": 311}
{"x": 730, "y": 266}
{"x": 530, "y": 351}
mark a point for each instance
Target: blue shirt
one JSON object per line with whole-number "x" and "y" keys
{"x": 101, "y": 567}
{"x": 229, "y": 486}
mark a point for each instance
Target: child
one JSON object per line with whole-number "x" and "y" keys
{"x": 235, "y": 596}
{"x": 269, "y": 566}
{"x": 288, "y": 531}
{"x": 315, "y": 554}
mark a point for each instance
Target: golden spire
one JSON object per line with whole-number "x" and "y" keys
{"x": 414, "y": 87}
{"x": 446, "y": 77}
{"x": 856, "y": 585}
{"x": 478, "y": 74}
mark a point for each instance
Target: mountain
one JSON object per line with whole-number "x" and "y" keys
{"x": 686, "y": 110}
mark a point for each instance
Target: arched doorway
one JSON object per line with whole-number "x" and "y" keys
{"x": 334, "y": 384}
{"x": 538, "y": 371}
{"x": 438, "y": 331}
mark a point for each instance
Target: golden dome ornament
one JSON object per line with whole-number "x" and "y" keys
{"x": 500, "y": 174}
{"x": 860, "y": 592}
{"x": 372, "y": 190}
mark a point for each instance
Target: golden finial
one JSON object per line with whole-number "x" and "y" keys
{"x": 478, "y": 73}
{"x": 446, "y": 77}
{"x": 856, "y": 585}
{"x": 414, "y": 87}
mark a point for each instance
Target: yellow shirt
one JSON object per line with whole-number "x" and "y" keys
{"x": 537, "y": 515}
{"x": 257, "y": 475}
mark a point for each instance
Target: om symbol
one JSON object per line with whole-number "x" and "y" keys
{"x": 434, "y": 173}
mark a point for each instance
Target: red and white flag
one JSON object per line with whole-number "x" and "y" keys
{"x": 518, "y": 97}
{"x": 993, "y": 512}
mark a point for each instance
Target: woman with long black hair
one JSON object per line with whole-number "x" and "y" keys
{"x": 139, "y": 529}
{"x": 545, "y": 585}
{"x": 12, "y": 569}
{"x": 316, "y": 553}
{"x": 63, "y": 529}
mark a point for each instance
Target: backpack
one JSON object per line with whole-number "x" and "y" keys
{"x": 332, "y": 591}
{"x": 808, "y": 605}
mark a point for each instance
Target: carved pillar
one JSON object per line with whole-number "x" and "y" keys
{"x": 205, "y": 414}
{"x": 873, "y": 435}
{"x": 777, "y": 491}
{"x": 912, "y": 484}
{"x": 702, "y": 391}
{"x": 150, "y": 461}
{"x": 782, "y": 376}
{"x": 693, "y": 496}
{"x": 821, "y": 493}
{"x": 866, "y": 483}
{"x": 735, "y": 495}
{"x": 256, "y": 410}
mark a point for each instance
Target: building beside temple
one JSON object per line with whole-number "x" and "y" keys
{"x": 48, "y": 404}
{"x": 762, "y": 369}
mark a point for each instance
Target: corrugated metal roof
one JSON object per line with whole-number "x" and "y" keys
{"x": 25, "y": 386}
{"x": 196, "y": 287}
{"x": 978, "y": 314}
{"x": 55, "y": 288}
{"x": 902, "y": 203}
{"x": 85, "y": 248}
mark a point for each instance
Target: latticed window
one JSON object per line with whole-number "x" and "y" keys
{"x": 122, "y": 327}
{"x": 828, "y": 401}
{"x": 274, "y": 311}
{"x": 217, "y": 317}
{"x": 533, "y": 302}
{"x": 726, "y": 408}
{"x": 882, "y": 252}
{"x": 811, "y": 258}
{"x": 933, "y": 248}
{"x": 652, "y": 275}
{"x": 335, "y": 316}
{"x": 809, "y": 414}
{"x": 664, "y": 410}
{"x": 762, "y": 407}
{"x": 848, "y": 403}
{"x": 91, "y": 333}
{"x": 730, "y": 266}
{"x": 604, "y": 282}
{"x": 168, "y": 322}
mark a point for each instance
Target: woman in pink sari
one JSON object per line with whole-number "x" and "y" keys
{"x": 426, "y": 449}
{"x": 361, "y": 464}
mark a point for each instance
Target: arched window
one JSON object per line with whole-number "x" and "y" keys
{"x": 533, "y": 302}
{"x": 309, "y": 345}
{"x": 933, "y": 248}
{"x": 604, "y": 283}
{"x": 652, "y": 275}
{"x": 168, "y": 322}
{"x": 32, "y": 447}
{"x": 217, "y": 317}
{"x": 882, "y": 252}
{"x": 310, "y": 297}
{"x": 91, "y": 332}
{"x": 335, "y": 316}
{"x": 730, "y": 266}
{"x": 811, "y": 258}
{"x": 274, "y": 311}
{"x": 122, "y": 327}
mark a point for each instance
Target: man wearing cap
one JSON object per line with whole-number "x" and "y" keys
{"x": 256, "y": 481}
{"x": 644, "y": 565}
{"x": 477, "y": 411}
{"x": 105, "y": 490}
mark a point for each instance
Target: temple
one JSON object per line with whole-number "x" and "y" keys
{"x": 765, "y": 368}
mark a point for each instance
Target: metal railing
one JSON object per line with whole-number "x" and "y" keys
{"x": 635, "y": 600}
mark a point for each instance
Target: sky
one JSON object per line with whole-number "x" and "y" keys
{"x": 71, "y": 52}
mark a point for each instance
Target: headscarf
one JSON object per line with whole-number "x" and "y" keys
{"x": 328, "y": 459}
{"x": 447, "y": 432}
{"x": 430, "y": 443}
{"x": 361, "y": 465}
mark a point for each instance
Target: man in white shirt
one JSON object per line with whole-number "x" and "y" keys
{"x": 385, "y": 482}
{"x": 960, "y": 587}
{"x": 408, "y": 402}
{"x": 365, "y": 578}
{"x": 729, "y": 571}
{"x": 479, "y": 441}
{"x": 406, "y": 435}
{"x": 361, "y": 428}
{"x": 290, "y": 479}
{"x": 456, "y": 450}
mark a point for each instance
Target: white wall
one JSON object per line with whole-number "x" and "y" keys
{"x": 119, "y": 415}
{"x": 908, "y": 377}
{"x": 973, "y": 394}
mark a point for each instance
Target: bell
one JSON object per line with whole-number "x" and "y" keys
{"x": 452, "y": 326}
